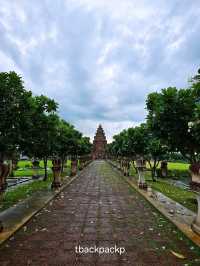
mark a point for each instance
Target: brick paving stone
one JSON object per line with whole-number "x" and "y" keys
{"x": 98, "y": 209}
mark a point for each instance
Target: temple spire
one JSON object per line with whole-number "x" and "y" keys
{"x": 99, "y": 144}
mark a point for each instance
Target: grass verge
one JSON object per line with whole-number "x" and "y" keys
{"x": 180, "y": 195}
{"x": 12, "y": 197}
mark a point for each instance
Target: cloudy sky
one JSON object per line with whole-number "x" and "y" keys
{"x": 100, "y": 58}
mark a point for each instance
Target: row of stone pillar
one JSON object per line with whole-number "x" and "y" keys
{"x": 123, "y": 164}
{"x": 76, "y": 164}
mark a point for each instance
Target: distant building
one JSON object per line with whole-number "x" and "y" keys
{"x": 99, "y": 144}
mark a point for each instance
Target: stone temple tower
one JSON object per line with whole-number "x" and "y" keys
{"x": 99, "y": 144}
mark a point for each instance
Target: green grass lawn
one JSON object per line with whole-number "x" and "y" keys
{"x": 21, "y": 192}
{"x": 24, "y": 171}
{"x": 28, "y": 163}
{"x": 177, "y": 171}
{"x": 178, "y": 166}
{"x": 24, "y": 163}
{"x": 174, "y": 166}
{"x": 184, "y": 197}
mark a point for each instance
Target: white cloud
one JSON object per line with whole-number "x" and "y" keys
{"x": 99, "y": 59}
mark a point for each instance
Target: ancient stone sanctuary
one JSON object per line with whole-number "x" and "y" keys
{"x": 99, "y": 144}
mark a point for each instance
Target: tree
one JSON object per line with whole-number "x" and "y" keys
{"x": 85, "y": 146}
{"x": 194, "y": 124}
{"x": 139, "y": 141}
{"x": 169, "y": 113}
{"x": 119, "y": 146}
{"x": 41, "y": 130}
{"x": 155, "y": 151}
{"x": 15, "y": 104}
{"x": 145, "y": 144}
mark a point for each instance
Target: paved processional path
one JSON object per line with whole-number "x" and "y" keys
{"x": 99, "y": 210}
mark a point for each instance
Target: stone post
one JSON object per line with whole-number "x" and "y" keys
{"x": 140, "y": 165}
{"x": 195, "y": 176}
{"x": 74, "y": 164}
{"x": 196, "y": 223}
{"x": 36, "y": 165}
{"x": 121, "y": 164}
{"x": 81, "y": 162}
{"x": 56, "y": 169}
{"x": 163, "y": 168}
{"x": 4, "y": 172}
{"x": 128, "y": 167}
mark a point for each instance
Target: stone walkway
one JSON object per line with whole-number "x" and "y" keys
{"x": 99, "y": 209}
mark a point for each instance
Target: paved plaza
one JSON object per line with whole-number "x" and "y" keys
{"x": 99, "y": 213}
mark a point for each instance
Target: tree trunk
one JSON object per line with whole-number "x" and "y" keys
{"x": 133, "y": 163}
{"x": 45, "y": 169}
{"x": 62, "y": 164}
{"x": 1, "y": 157}
{"x": 153, "y": 169}
{"x": 10, "y": 163}
{"x": 153, "y": 173}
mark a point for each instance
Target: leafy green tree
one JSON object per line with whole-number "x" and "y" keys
{"x": 139, "y": 141}
{"x": 85, "y": 146}
{"x": 70, "y": 142}
{"x": 15, "y": 104}
{"x": 41, "y": 130}
{"x": 120, "y": 144}
{"x": 194, "y": 124}
{"x": 169, "y": 113}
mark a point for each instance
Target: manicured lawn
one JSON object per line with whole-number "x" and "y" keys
{"x": 176, "y": 171}
{"x": 175, "y": 166}
{"x": 184, "y": 197}
{"x": 21, "y": 192}
{"x": 27, "y": 163}
{"x": 24, "y": 169}
{"x": 178, "y": 166}
{"x": 28, "y": 172}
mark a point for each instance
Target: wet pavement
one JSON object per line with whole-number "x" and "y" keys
{"x": 99, "y": 213}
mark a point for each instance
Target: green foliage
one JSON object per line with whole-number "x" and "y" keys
{"x": 14, "y": 108}
{"x": 169, "y": 114}
{"x": 139, "y": 141}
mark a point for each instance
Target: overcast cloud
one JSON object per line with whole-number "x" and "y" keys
{"x": 100, "y": 58}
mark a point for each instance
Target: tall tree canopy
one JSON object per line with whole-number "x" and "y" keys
{"x": 169, "y": 114}
{"x": 15, "y": 103}
{"x": 30, "y": 124}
